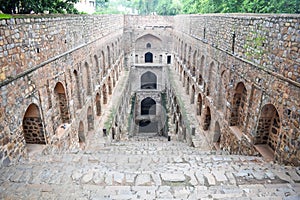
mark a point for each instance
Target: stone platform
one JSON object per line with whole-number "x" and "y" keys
{"x": 149, "y": 168}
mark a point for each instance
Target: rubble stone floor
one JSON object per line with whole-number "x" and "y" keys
{"x": 148, "y": 168}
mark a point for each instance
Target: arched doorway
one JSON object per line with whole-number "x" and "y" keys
{"x": 200, "y": 79}
{"x": 207, "y": 119}
{"x": 202, "y": 65}
{"x": 81, "y": 136}
{"x": 209, "y": 79}
{"x": 148, "y": 81}
{"x": 199, "y": 104}
{"x": 221, "y": 90}
{"x": 108, "y": 56}
{"x": 113, "y": 79}
{"x": 217, "y": 135}
{"x": 187, "y": 89}
{"x": 104, "y": 94}
{"x": 109, "y": 86}
{"x": 148, "y": 106}
{"x": 98, "y": 105}
{"x": 184, "y": 77}
{"x": 268, "y": 126}
{"x": 88, "y": 79}
{"x": 103, "y": 64}
{"x": 148, "y": 57}
{"x": 33, "y": 126}
{"x": 77, "y": 90}
{"x": 238, "y": 106}
{"x": 62, "y": 102}
{"x": 193, "y": 95}
{"x": 97, "y": 64}
{"x": 90, "y": 119}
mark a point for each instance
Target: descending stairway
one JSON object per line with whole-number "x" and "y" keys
{"x": 147, "y": 168}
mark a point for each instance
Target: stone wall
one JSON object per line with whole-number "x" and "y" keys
{"x": 270, "y": 41}
{"x": 82, "y": 54}
{"x": 220, "y": 59}
{"x": 245, "y": 63}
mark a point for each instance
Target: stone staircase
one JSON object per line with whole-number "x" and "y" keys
{"x": 148, "y": 168}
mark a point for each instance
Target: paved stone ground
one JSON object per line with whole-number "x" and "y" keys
{"x": 150, "y": 168}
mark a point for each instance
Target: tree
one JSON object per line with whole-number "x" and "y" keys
{"x": 168, "y": 7}
{"x": 28, "y": 6}
{"x": 241, "y": 6}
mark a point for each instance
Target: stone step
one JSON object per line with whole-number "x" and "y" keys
{"x": 147, "y": 169}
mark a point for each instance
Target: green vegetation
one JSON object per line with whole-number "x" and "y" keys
{"x": 173, "y": 7}
{"x": 142, "y": 7}
{"x": 159, "y": 7}
{"x": 29, "y": 6}
{"x": 254, "y": 45}
{"x": 241, "y": 6}
{"x": 5, "y": 16}
{"x": 109, "y": 120}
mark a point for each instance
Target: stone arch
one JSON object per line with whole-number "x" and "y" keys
{"x": 217, "y": 135}
{"x": 33, "y": 128}
{"x": 193, "y": 71}
{"x": 90, "y": 119}
{"x": 200, "y": 79}
{"x": 98, "y": 104}
{"x": 189, "y": 58}
{"x": 97, "y": 64}
{"x": 149, "y": 80}
{"x": 187, "y": 89}
{"x": 148, "y": 106}
{"x": 81, "y": 135}
{"x": 116, "y": 50}
{"x": 238, "y": 106}
{"x": 184, "y": 53}
{"x": 181, "y": 51}
{"x": 176, "y": 127}
{"x": 113, "y": 78}
{"x": 103, "y": 64}
{"x": 202, "y": 64}
{"x": 109, "y": 84}
{"x": 207, "y": 119}
{"x": 108, "y": 56}
{"x": 199, "y": 104}
{"x": 195, "y": 58}
{"x": 104, "y": 94}
{"x": 117, "y": 74}
{"x": 221, "y": 90}
{"x": 148, "y": 57}
{"x": 177, "y": 109}
{"x": 268, "y": 128}
{"x": 193, "y": 95}
{"x": 180, "y": 72}
{"x": 88, "y": 79}
{"x": 77, "y": 88}
{"x": 113, "y": 52}
{"x": 184, "y": 77}
{"x": 209, "y": 79}
{"x": 61, "y": 98}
